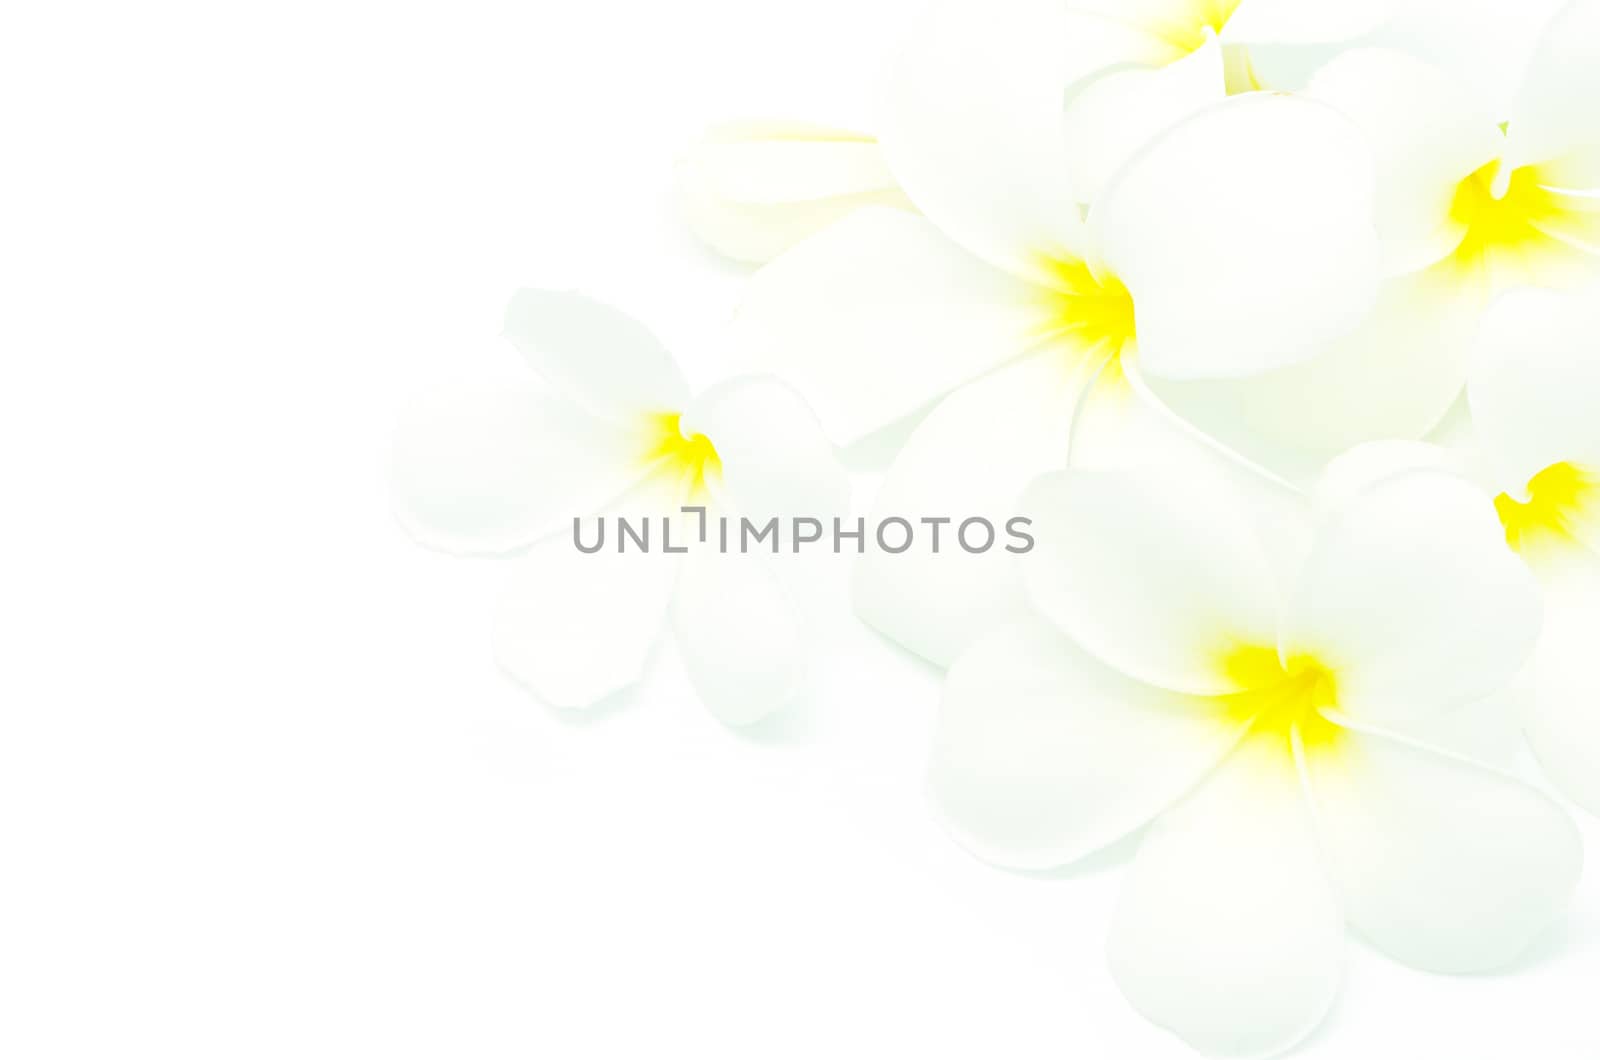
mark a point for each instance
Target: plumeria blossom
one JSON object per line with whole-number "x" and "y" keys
{"x": 1239, "y": 236}
{"x": 1533, "y": 393}
{"x": 1110, "y": 74}
{"x": 507, "y": 468}
{"x": 1107, "y": 74}
{"x": 752, "y": 189}
{"x": 1535, "y": 398}
{"x": 1268, "y": 736}
{"x": 1466, "y": 209}
{"x": 1494, "y": 206}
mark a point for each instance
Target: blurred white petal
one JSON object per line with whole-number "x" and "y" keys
{"x": 602, "y": 358}
{"x": 1395, "y": 376}
{"x": 1043, "y": 754}
{"x": 491, "y": 468}
{"x": 1364, "y": 466}
{"x": 1488, "y": 731}
{"x": 973, "y": 122}
{"x": 1412, "y": 600}
{"x": 1443, "y": 864}
{"x": 1124, "y": 427}
{"x": 1249, "y": 21}
{"x": 1245, "y": 237}
{"x": 1110, "y": 117}
{"x": 1307, "y": 21}
{"x": 1553, "y": 115}
{"x": 1427, "y": 138}
{"x": 1562, "y": 717}
{"x": 1156, "y": 574}
{"x": 1535, "y": 385}
{"x": 578, "y": 628}
{"x": 752, "y": 189}
{"x": 971, "y": 457}
{"x": 738, "y": 634}
{"x": 1485, "y": 44}
{"x": 879, "y": 315}
{"x": 1228, "y": 932}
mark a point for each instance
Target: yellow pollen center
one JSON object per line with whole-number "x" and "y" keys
{"x": 691, "y": 459}
{"x": 1514, "y": 220}
{"x": 1281, "y": 700}
{"x": 1192, "y": 22}
{"x": 1556, "y": 497}
{"x": 1094, "y": 308}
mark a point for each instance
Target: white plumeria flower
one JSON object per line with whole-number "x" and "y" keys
{"x": 1107, "y": 74}
{"x": 1266, "y": 733}
{"x": 497, "y": 469}
{"x": 753, "y": 189}
{"x": 1110, "y": 74}
{"x": 1493, "y": 207}
{"x": 1466, "y": 209}
{"x": 1534, "y": 393}
{"x": 1239, "y": 235}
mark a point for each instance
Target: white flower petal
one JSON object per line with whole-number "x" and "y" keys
{"x": 1426, "y": 136}
{"x": 775, "y": 460}
{"x": 1364, "y": 466}
{"x": 1245, "y": 236}
{"x": 1443, "y": 864}
{"x": 602, "y": 358}
{"x": 1562, "y": 718}
{"x": 1306, "y": 21}
{"x": 1455, "y": 431}
{"x": 1044, "y": 755}
{"x": 971, "y": 457}
{"x": 1157, "y": 575}
{"x": 1109, "y": 117}
{"x": 879, "y": 315}
{"x": 485, "y": 469}
{"x": 753, "y": 189}
{"x": 1578, "y": 172}
{"x": 577, "y": 628}
{"x": 1153, "y": 17}
{"x": 1535, "y": 385}
{"x": 1250, "y": 22}
{"x": 1123, "y": 427}
{"x": 1485, "y": 44}
{"x": 973, "y": 123}
{"x": 1228, "y": 932}
{"x": 1395, "y": 376}
{"x": 758, "y": 233}
{"x": 1553, "y": 116}
{"x": 738, "y": 634}
{"x": 1412, "y": 600}
{"x": 771, "y": 161}
{"x": 1488, "y": 731}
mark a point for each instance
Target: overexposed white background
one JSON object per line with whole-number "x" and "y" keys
{"x": 263, "y": 792}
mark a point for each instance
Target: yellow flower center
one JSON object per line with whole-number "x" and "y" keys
{"x": 1504, "y": 214}
{"x": 1191, "y": 22}
{"x": 1281, "y": 700}
{"x": 1094, "y": 309}
{"x": 1557, "y": 496}
{"x": 691, "y": 459}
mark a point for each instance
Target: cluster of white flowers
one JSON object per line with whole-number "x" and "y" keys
{"x": 1277, "y": 322}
